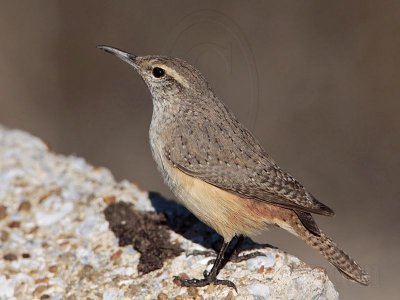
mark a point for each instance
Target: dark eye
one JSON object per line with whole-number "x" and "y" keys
{"x": 158, "y": 72}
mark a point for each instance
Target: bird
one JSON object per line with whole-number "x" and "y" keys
{"x": 218, "y": 170}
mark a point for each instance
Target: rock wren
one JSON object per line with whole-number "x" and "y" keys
{"x": 218, "y": 170}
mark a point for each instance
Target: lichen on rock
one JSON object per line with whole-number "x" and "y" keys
{"x": 63, "y": 236}
{"x": 145, "y": 231}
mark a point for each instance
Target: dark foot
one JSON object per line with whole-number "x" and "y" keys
{"x": 205, "y": 253}
{"x": 209, "y": 278}
{"x": 236, "y": 258}
{"x": 204, "y": 282}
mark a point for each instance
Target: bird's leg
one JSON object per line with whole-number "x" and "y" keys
{"x": 234, "y": 256}
{"x": 231, "y": 256}
{"x": 212, "y": 276}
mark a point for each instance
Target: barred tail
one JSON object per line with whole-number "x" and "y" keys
{"x": 328, "y": 248}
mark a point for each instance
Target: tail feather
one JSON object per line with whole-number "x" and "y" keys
{"x": 330, "y": 250}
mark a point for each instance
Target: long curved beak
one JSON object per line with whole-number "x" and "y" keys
{"x": 125, "y": 56}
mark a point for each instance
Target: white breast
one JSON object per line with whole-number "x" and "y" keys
{"x": 163, "y": 165}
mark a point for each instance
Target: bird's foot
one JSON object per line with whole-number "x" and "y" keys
{"x": 207, "y": 280}
{"x": 206, "y": 253}
{"x": 236, "y": 258}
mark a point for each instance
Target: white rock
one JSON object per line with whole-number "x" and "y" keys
{"x": 255, "y": 263}
{"x": 260, "y": 291}
{"x": 112, "y": 294}
{"x": 129, "y": 271}
{"x": 6, "y": 288}
{"x": 46, "y": 219}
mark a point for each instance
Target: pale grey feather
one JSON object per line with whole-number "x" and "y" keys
{"x": 225, "y": 154}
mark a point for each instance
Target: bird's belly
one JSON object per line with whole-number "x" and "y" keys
{"x": 225, "y": 212}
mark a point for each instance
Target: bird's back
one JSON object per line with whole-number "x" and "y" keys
{"x": 208, "y": 142}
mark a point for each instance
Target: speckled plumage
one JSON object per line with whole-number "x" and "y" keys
{"x": 209, "y": 143}
{"x": 217, "y": 168}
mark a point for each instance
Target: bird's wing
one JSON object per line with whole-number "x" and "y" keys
{"x": 233, "y": 161}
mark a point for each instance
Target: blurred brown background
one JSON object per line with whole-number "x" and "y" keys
{"x": 317, "y": 83}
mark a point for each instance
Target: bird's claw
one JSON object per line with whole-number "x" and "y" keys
{"x": 236, "y": 258}
{"x": 205, "y": 253}
{"x": 207, "y": 280}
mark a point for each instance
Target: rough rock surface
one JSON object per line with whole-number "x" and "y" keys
{"x": 55, "y": 241}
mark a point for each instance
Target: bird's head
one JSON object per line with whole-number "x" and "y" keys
{"x": 165, "y": 77}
